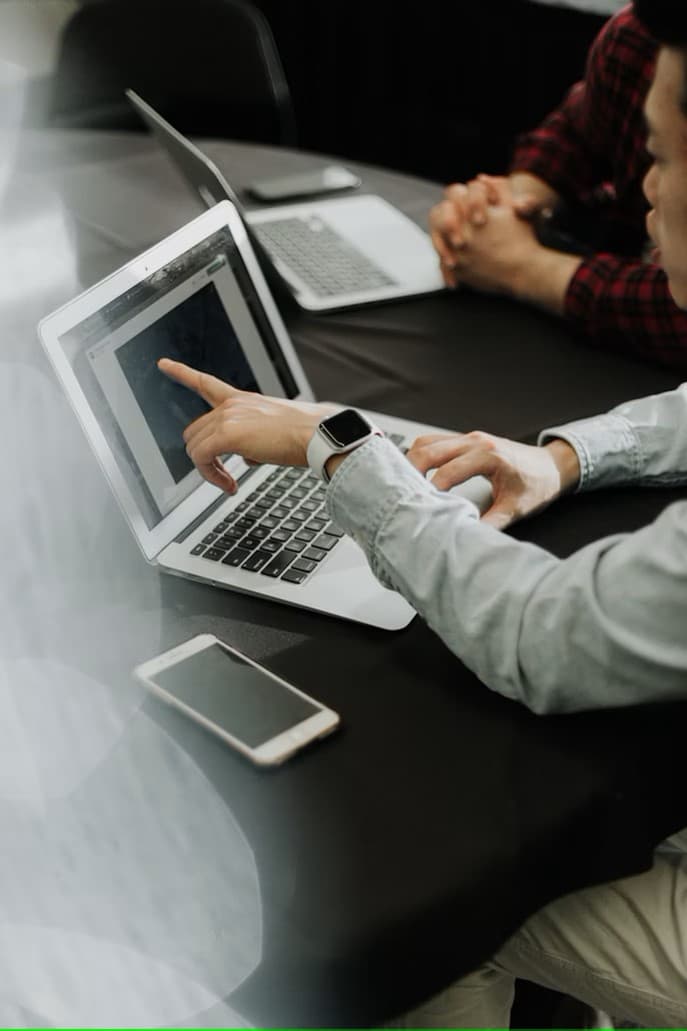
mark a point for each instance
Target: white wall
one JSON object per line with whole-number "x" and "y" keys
{"x": 29, "y": 32}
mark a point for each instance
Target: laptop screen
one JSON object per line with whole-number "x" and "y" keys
{"x": 201, "y": 309}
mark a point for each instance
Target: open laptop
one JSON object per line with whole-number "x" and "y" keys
{"x": 330, "y": 254}
{"x": 199, "y": 296}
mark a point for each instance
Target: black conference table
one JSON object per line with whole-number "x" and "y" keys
{"x": 148, "y": 872}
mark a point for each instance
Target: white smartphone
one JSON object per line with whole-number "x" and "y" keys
{"x": 253, "y": 710}
{"x": 304, "y": 184}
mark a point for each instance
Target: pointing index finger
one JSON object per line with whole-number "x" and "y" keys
{"x": 210, "y": 388}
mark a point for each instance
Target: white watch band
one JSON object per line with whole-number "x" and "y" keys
{"x": 322, "y": 447}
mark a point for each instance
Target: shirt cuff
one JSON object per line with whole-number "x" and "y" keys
{"x": 607, "y": 448}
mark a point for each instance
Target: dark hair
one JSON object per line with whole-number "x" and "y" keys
{"x": 666, "y": 21}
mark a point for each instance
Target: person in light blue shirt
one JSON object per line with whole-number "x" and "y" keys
{"x": 605, "y": 627}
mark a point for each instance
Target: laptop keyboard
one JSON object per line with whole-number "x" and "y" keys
{"x": 325, "y": 261}
{"x": 281, "y": 529}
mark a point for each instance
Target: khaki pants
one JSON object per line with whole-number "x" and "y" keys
{"x": 621, "y": 947}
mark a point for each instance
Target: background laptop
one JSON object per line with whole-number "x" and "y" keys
{"x": 331, "y": 254}
{"x": 199, "y": 296}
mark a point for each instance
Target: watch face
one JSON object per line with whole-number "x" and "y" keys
{"x": 345, "y": 427}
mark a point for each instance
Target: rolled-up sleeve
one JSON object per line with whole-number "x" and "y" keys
{"x": 642, "y": 442}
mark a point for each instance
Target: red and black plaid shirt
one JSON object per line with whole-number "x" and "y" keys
{"x": 592, "y": 149}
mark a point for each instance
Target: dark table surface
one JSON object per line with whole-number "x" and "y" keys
{"x": 156, "y": 875}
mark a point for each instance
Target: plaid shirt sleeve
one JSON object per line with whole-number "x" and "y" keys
{"x": 627, "y": 305}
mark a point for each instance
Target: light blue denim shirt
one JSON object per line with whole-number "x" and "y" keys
{"x": 605, "y": 627}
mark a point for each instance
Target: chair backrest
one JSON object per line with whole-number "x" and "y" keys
{"x": 211, "y": 67}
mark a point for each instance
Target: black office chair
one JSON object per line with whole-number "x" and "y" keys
{"x": 211, "y": 67}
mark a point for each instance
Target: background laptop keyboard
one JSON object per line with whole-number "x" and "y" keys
{"x": 281, "y": 529}
{"x": 329, "y": 264}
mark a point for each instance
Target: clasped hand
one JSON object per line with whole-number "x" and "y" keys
{"x": 483, "y": 233}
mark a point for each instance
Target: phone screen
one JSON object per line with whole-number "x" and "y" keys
{"x": 240, "y": 698}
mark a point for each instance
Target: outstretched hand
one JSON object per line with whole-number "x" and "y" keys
{"x": 260, "y": 429}
{"x": 524, "y": 479}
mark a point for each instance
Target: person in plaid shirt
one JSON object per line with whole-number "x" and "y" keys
{"x": 590, "y": 156}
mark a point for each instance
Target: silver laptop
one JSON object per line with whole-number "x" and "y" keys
{"x": 199, "y": 296}
{"x": 330, "y": 254}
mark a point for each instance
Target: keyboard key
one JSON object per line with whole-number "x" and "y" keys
{"x": 250, "y": 542}
{"x": 236, "y": 557}
{"x": 294, "y": 545}
{"x": 326, "y": 541}
{"x": 300, "y": 516}
{"x": 278, "y": 564}
{"x": 316, "y": 524}
{"x": 221, "y": 527}
{"x": 269, "y": 522}
{"x": 298, "y": 492}
{"x": 294, "y": 576}
{"x": 310, "y": 506}
{"x": 198, "y": 550}
{"x": 305, "y": 565}
{"x": 279, "y": 512}
{"x": 306, "y": 535}
{"x": 316, "y": 554}
{"x": 334, "y": 531}
{"x": 264, "y": 502}
{"x": 289, "y": 503}
{"x": 281, "y": 535}
{"x": 232, "y": 534}
{"x": 291, "y": 525}
{"x": 275, "y": 493}
{"x": 271, "y": 545}
{"x": 209, "y": 538}
{"x": 214, "y": 554}
{"x": 256, "y": 561}
{"x": 260, "y": 532}
{"x": 245, "y": 523}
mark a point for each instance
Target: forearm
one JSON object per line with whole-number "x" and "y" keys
{"x": 510, "y": 610}
{"x": 544, "y": 280}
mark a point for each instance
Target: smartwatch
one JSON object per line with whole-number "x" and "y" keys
{"x": 336, "y": 435}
